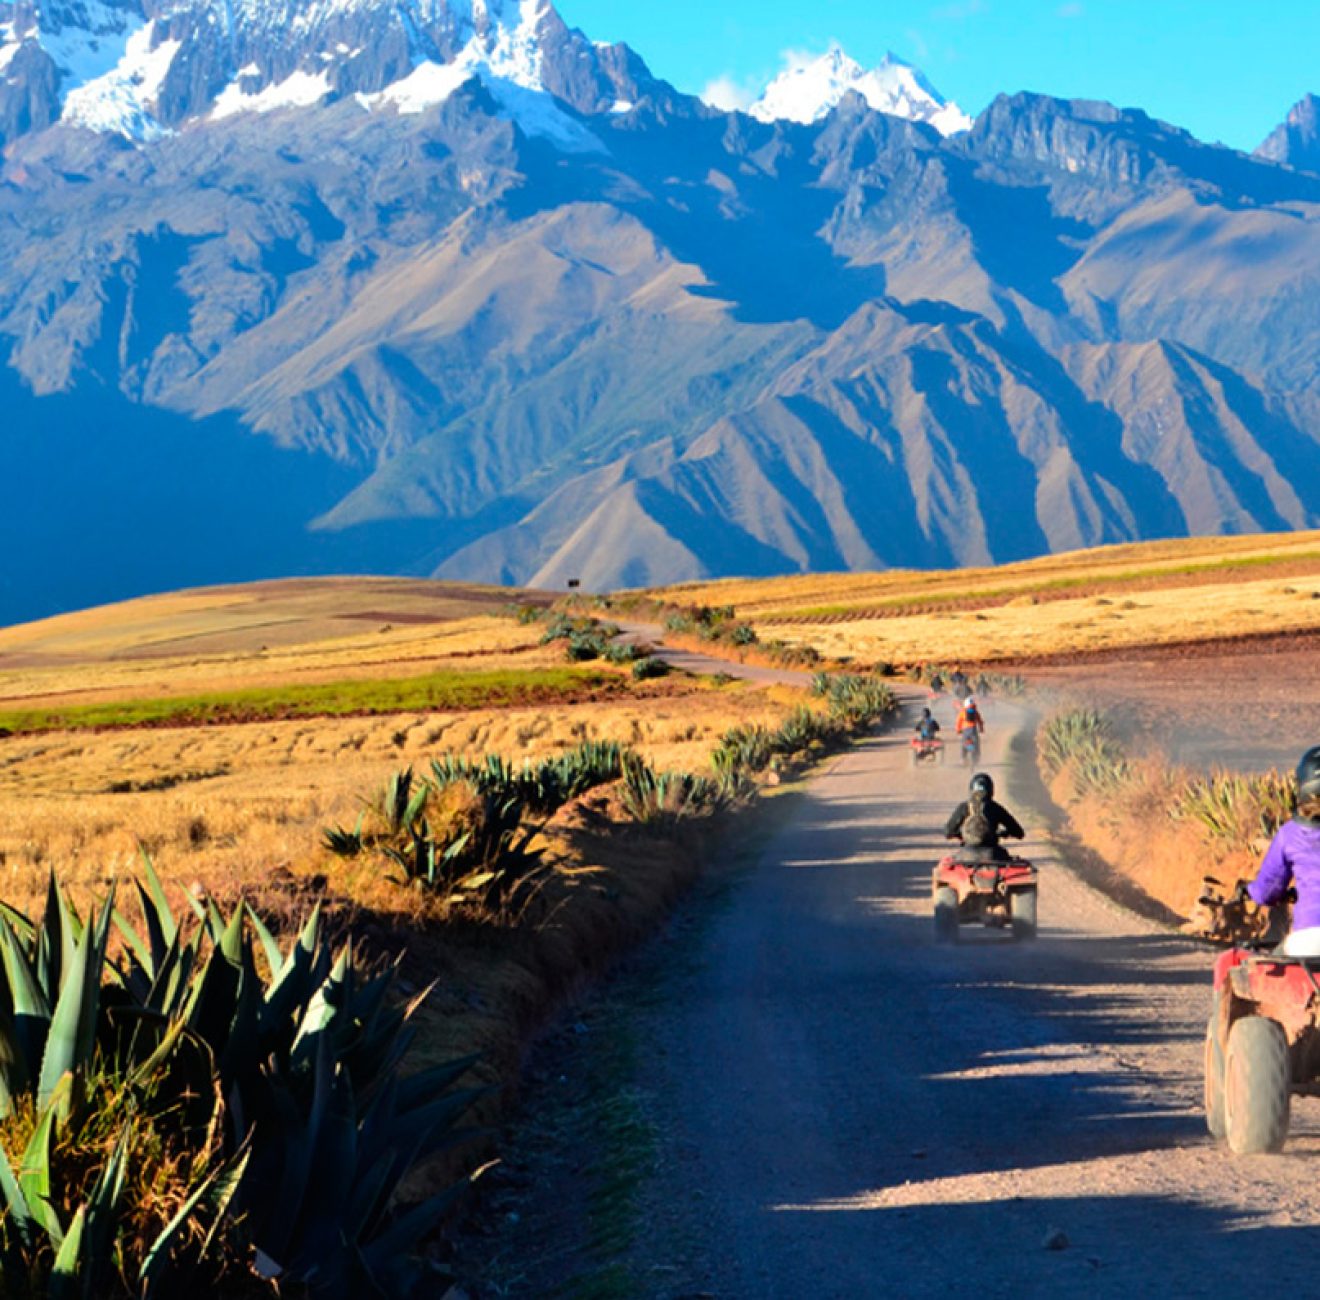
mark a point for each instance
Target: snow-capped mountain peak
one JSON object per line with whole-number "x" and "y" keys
{"x": 141, "y": 68}
{"x": 809, "y": 88}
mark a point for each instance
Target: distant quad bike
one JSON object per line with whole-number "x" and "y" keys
{"x": 995, "y": 894}
{"x": 927, "y": 752}
{"x": 971, "y": 747}
{"x": 1262, "y": 1045}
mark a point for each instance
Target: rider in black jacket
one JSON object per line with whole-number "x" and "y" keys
{"x": 980, "y": 823}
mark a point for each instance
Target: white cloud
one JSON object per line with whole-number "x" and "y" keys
{"x": 729, "y": 95}
{"x": 796, "y": 60}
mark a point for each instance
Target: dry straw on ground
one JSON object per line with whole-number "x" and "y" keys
{"x": 1117, "y": 597}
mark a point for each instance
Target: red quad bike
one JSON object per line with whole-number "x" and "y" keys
{"x": 927, "y": 752}
{"x": 995, "y": 894}
{"x": 1262, "y": 1045}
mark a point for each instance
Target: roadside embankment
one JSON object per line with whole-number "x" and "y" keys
{"x": 1161, "y": 827}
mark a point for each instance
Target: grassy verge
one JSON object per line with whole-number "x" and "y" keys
{"x": 433, "y": 692}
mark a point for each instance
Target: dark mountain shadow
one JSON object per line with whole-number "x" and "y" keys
{"x": 1005, "y": 480}
{"x": 1096, "y": 435}
{"x": 729, "y": 548}
{"x": 876, "y": 488}
{"x": 105, "y": 499}
{"x": 1214, "y": 445}
{"x": 1018, "y": 238}
{"x": 1295, "y": 453}
{"x": 755, "y": 233}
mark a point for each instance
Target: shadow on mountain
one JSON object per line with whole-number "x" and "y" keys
{"x": 1018, "y": 238}
{"x": 731, "y": 547}
{"x": 106, "y": 499}
{"x": 1286, "y": 445}
{"x": 1099, "y": 432}
{"x": 755, "y": 234}
{"x": 1003, "y": 479}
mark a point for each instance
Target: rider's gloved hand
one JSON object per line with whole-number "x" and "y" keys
{"x": 1240, "y": 894}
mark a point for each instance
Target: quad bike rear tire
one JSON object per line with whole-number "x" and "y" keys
{"x": 1257, "y": 1092}
{"x": 1215, "y": 1119}
{"x": 946, "y": 915}
{"x": 916, "y": 759}
{"x": 1022, "y": 913}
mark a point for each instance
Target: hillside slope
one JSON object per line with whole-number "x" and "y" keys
{"x": 514, "y": 310}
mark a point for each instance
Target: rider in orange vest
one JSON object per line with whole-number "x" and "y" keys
{"x": 969, "y": 717}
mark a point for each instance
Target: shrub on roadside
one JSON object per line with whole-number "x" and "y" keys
{"x": 466, "y": 832}
{"x": 172, "y": 1117}
{"x": 647, "y": 668}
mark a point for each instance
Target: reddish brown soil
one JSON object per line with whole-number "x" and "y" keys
{"x": 1250, "y": 702}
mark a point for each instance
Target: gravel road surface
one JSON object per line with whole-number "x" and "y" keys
{"x": 847, "y": 1110}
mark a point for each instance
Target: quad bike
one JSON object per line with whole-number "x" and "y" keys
{"x": 970, "y": 749}
{"x": 1262, "y": 1045}
{"x": 927, "y": 751}
{"x": 995, "y": 894}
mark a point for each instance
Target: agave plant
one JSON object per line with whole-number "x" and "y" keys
{"x": 281, "y": 1091}
{"x": 1237, "y": 808}
{"x": 661, "y": 799}
{"x": 487, "y": 852}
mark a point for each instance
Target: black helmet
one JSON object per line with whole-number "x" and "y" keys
{"x": 925, "y": 713}
{"x": 983, "y": 783}
{"x": 1308, "y": 774}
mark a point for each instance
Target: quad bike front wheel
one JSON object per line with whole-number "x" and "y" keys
{"x": 1214, "y": 1075}
{"x": 1022, "y": 913}
{"x": 946, "y": 915}
{"x": 1257, "y": 1095}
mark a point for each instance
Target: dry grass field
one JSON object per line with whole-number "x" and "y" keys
{"x": 262, "y": 635}
{"x": 226, "y": 805}
{"x": 1153, "y": 593}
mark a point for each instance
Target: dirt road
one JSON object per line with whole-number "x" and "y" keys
{"x": 845, "y": 1110}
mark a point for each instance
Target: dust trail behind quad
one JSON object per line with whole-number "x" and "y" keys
{"x": 847, "y": 1110}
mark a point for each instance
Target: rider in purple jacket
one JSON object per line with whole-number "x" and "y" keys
{"x": 1293, "y": 859}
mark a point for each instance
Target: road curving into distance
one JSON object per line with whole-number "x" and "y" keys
{"x": 846, "y": 1110}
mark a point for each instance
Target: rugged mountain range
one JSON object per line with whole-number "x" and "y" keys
{"x": 443, "y": 286}
{"x": 1296, "y": 141}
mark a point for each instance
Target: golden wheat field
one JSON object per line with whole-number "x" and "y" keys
{"x": 268, "y": 634}
{"x": 225, "y": 805}
{"x": 1117, "y": 597}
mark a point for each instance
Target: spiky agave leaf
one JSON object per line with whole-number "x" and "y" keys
{"x": 214, "y": 1195}
{"x": 71, "y": 1037}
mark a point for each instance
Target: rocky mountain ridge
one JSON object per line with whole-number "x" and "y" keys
{"x": 1296, "y": 140}
{"x": 500, "y": 304}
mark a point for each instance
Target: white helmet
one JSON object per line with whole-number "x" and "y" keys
{"x": 970, "y": 702}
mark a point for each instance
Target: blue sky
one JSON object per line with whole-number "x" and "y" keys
{"x": 1220, "y": 68}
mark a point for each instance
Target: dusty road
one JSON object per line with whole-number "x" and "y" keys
{"x": 846, "y": 1110}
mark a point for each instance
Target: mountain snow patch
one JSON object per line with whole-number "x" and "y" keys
{"x": 503, "y": 51}
{"x": 809, "y": 88}
{"x": 123, "y": 99}
{"x": 298, "y": 90}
